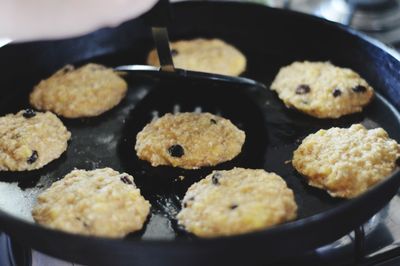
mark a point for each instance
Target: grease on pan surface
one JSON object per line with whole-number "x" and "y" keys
{"x": 189, "y": 140}
{"x": 100, "y": 202}
{"x": 205, "y": 55}
{"x": 235, "y": 202}
{"x": 87, "y": 91}
{"x": 346, "y": 161}
{"x": 321, "y": 89}
{"x": 29, "y": 140}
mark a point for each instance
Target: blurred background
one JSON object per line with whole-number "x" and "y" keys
{"x": 377, "y": 18}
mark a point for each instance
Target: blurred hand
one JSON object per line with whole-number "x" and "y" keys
{"x": 26, "y": 20}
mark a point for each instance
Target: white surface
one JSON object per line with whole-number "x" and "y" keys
{"x": 23, "y": 20}
{"x": 17, "y": 202}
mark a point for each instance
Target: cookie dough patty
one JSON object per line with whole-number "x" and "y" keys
{"x": 346, "y": 161}
{"x": 235, "y": 202}
{"x": 29, "y": 140}
{"x": 189, "y": 140}
{"x": 83, "y": 92}
{"x": 205, "y": 55}
{"x": 321, "y": 89}
{"x": 100, "y": 202}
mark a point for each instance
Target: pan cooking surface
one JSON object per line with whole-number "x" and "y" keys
{"x": 272, "y": 134}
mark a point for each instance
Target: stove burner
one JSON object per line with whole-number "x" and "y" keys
{"x": 366, "y": 15}
{"x": 378, "y": 18}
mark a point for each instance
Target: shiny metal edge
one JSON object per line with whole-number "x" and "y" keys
{"x": 189, "y": 74}
{"x": 4, "y": 41}
{"x": 137, "y": 68}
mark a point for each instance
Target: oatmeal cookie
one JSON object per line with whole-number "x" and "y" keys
{"x": 101, "y": 202}
{"x": 321, "y": 89}
{"x": 87, "y": 91}
{"x": 189, "y": 140}
{"x": 235, "y": 202}
{"x": 29, "y": 140}
{"x": 346, "y": 161}
{"x": 205, "y": 55}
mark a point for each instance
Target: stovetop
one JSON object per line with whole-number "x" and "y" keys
{"x": 375, "y": 243}
{"x": 378, "y": 18}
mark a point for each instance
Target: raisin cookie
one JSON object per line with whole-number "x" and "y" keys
{"x": 346, "y": 161}
{"x": 189, "y": 140}
{"x": 321, "y": 89}
{"x": 205, "y": 55}
{"x": 29, "y": 140}
{"x": 100, "y": 202}
{"x": 83, "y": 92}
{"x": 235, "y": 202}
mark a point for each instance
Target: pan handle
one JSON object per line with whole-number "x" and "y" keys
{"x": 158, "y": 18}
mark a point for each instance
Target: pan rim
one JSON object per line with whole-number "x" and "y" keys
{"x": 322, "y": 216}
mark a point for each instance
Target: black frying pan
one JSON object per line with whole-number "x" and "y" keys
{"x": 270, "y": 39}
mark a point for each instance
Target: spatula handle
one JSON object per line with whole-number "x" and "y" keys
{"x": 158, "y": 18}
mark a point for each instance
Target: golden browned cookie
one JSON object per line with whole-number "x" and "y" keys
{"x": 29, "y": 140}
{"x": 205, "y": 55}
{"x": 321, "y": 89}
{"x": 235, "y": 202}
{"x": 189, "y": 140}
{"x": 83, "y": 92}
{"x": 100, "y": 202}
{"x": 346, "y": 161}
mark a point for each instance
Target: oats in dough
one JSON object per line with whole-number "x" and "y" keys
{"x": 87, "y": 91}
{"x": 101, "y": 202}
{"x": 236, "y": 202}
{"x": 205, "y": 55}
{"x": 346, "y": 161}
{"x": 189, "y": 140}
{"x": 29, "y": 140}
{"x": 321, "y": 89}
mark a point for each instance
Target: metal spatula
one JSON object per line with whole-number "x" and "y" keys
{"x": 158, "y": 18}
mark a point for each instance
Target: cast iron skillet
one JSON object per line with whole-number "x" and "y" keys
{"x": 270, "y": 39}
